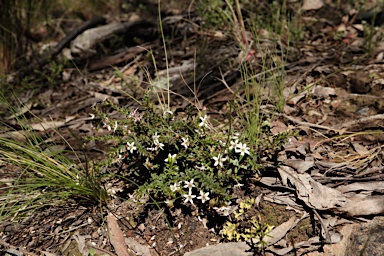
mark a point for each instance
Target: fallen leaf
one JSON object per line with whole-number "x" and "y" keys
{"x": 295, "y": 99}
{"x": 360, "y": 149}
{"x": 278, "y": 127}
{"x": 116, "y": 236}
{"x": 54, "y": 150}
{"x": 311, "y": 245}
{"x": 80, "y": 240}
{"x": 321, "y": 91}
{"x": 45, "y": 125}
{"x": 361, "y": 205}
{"x": 137, "y": 248}
{"x": 312, "y": 5}
{"x": 280, "y": 231}
{"x": 312, "y": 193}
{"x": 362, "y": 186}
{"x": 26, "y": 107}
{"x": 301, "y": 166}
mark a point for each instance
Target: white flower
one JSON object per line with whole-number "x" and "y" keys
{"x": 158, "y": 145}
{"x": 203, "y": 197}
{"x": 115, "y": 127}
{"x": 185, "y": 142}
{"x": 132, "y": 197}
{"x": 201, "y": 168}
{"x": 200, "y": 132}
{"x": 238, "y": 185}
{"x": 156, "y": 142}
{"x": 156, "y": 138}
{"x": 77, "y": 179}
{"x": 219, "y": 160}
{"x": 171, "y": 159}
{"x": 233, "y": 144}
{"x": 242, "y": 149}
{"x": 119, "y": 158}
{"x": 236, "y": 136}
{"x": 204, "y": 121}
{"x": 189, "y": 197}
{"x": 135, "y": 115}
{"x": 175, "y": 187}
{"x": 148, "y": 164}
{"x": 189, "y": 185}
{"x": 131, "y": 147}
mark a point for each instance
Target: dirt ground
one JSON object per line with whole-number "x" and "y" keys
{"x": 333, "y": 88}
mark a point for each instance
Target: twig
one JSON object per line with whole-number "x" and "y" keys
{"x": 345, "y": 179}
{"x": 360, "y": 121}
{"x": 325, "y": 232}
{"x": 124, "y": 56}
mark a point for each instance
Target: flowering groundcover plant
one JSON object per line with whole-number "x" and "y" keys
{"x": 178, "y": 160}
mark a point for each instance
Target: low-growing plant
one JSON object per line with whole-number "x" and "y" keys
{"x": 45, "y": 179}
{"x": 244, "y": 227}
{"x": 176, "y": 159}
{"x": 372, "y": 36}
{"x": 42, "y": 174}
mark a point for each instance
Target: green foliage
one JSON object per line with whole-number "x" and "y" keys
{"x": 160, "y": 153}
{"x": 46, "y": 178}
{"x": 46, "y": 175}
{"x": 372, "y": 37}
{"x": 245, "y": 226}
{"x": 276, "y": 18}
{"x": 215, "y": 13}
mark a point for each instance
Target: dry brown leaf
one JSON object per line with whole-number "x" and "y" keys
{"x": 45, "y": 125}
{"x": 312, "y": 242}
{"x": 20, "y": 136}
{"x": 278, "y": 127}
{"x": 26, "y": 107}
{"x": 301, "y": 166}
{"x": 321, "y": 91}
{"x": 360, "y": 149}
{"x": 362, "y": 186}
{"x": 311, "y": 192}
{"x": 283, "y": 199}
{"x": 137, "y": 248}
{"x": 362, "y": 205}
{"x": 280, "y": 231}
{"x": 312, "y": 5}
{"x": 80, "y": 240}
{"x": 116, "y": 236}
{"x": 269, "y": 181}
{"x": 54, "y": 150}
{"x": 294, "y": 100}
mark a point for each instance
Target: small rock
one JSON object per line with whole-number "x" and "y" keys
{"x": 227, "y": 249}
